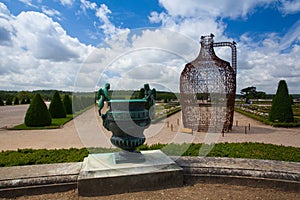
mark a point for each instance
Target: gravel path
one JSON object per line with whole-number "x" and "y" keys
{"x": 193, "y": 192}
{"x": 86, "y": 131}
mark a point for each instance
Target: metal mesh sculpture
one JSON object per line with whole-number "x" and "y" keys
{"x": 207, "y": 89}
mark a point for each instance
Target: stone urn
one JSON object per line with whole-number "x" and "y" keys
{"x": 127, "y": 120}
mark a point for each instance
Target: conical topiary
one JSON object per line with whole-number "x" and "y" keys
{"x": 23, "y": 101}
{"x": 8, "y": 101}
{"x": 1, "y": 102}
{"x": 28, "y": 100}
{"x": 16, "y": 101}
{"x": 281, "y": 110}
{"x": 57, "y": 108}
{"x": 68, "y": 104}
{"x": 37, "y": 114}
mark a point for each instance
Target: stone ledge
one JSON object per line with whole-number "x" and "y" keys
{"x": 36, "y": 179}
{"x": 240, "y": 167}
{"x": 239, "y": 171}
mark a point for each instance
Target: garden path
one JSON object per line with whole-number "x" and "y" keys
{"x": 86, "y": 131}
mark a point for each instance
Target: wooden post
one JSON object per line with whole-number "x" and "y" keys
{"x": 245, "y": 129}
{"x": 236, "y": 123}
{"x": 249, "y": 126}
{"x": 171, "y": 127}
{"x": 177, "y": 121}
{"x": 222, "y": 132}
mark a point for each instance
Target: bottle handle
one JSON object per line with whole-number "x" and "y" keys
{"x": 232, "y": 45}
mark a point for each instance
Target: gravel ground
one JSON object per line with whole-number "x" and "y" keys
{"x": 194, "y": 192}
{"x": 86, "y": 131}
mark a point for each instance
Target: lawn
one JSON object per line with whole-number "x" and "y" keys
{"x": 56, "y": 123}
{"x": 231, "y": 150}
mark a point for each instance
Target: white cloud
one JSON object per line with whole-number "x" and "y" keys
{"x": 260, "y": 62}
{"x": 67, "y": 2}
{"x": 44, "y": 38}
{"x": 37, "y": 53}
{"x": 28, "y": 3}
{"x": 51, "y": 12}
{"x": 87, "y": 5}
{"x": 212, "y": 8}
{"x": 102, "y": 13}
{"x": 289, "y": 6}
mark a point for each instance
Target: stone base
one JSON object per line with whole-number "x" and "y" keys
{"x": 101, "y": 175}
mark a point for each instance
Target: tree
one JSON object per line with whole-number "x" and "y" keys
{"x": 68, "y": 104}
{"x": 28, "y": 100}
{"x": 249, "y": 93}
{"x": 37, "y": 114}
{"x": 57, "y": 108}
{"x": 16, "y": 101}
{"x": 23, "y": 101}
{"x": 8, "y": 101}
{"x": 1, "y": 102}
{"x": 281, "y": 109}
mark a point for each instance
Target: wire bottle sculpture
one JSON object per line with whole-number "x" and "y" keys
{"x": 207, "y": 89}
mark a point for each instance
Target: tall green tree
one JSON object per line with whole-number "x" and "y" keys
{"x": 1, "y": 102}
{"x": 37, "y": 114}
{"x": 57, "y": 108}
{"x": 8, "y": 101}
{"x": 68, "y": 104}
{"x": 28, "y": 100}
{"x": 281, "y": 110}
{"x": 16, "y": 101}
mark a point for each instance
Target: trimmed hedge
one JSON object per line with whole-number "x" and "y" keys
{"x": 68, "y": 104}
{"x": 1, "y": 102}
{"x": 266, "y": 121}
{"x": 281, "y": 110}
{"x": 57, "y": 108}
{"x": 9, "y": 101}
{"x": 37, "y": 114}
{"x": 16, "y": 101}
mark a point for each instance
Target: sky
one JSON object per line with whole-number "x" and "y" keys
{"x": 79, "y": 45}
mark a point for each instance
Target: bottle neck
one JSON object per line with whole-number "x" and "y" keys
{"x": 207, "y": 47}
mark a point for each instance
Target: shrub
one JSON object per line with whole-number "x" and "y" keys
{"x": 23, "y": 101}
{"x": 28, "y": 100}
{"x": 1, "y": 102}
{"x": 281, "y": 110}
{"x": 8, "y": 101}
{"x": 57, "y": 108}
{"x": 68, "y": 104}
{"x": 16, "y": 101}
{"x": 37, "y": 114}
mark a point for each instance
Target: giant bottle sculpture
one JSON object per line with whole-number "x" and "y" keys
{"x": 207, "y": 88}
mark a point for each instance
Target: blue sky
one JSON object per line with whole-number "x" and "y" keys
{"x": 80, "y": 45}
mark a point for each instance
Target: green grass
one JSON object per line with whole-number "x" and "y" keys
{"x": 267, "y": 122}
{"x": 41, "y": 156}
{"x": 231, "y": 150}
{"x": 56, "y": 123}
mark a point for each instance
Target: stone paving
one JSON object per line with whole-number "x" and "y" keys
{"x": 86, "y": 131}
